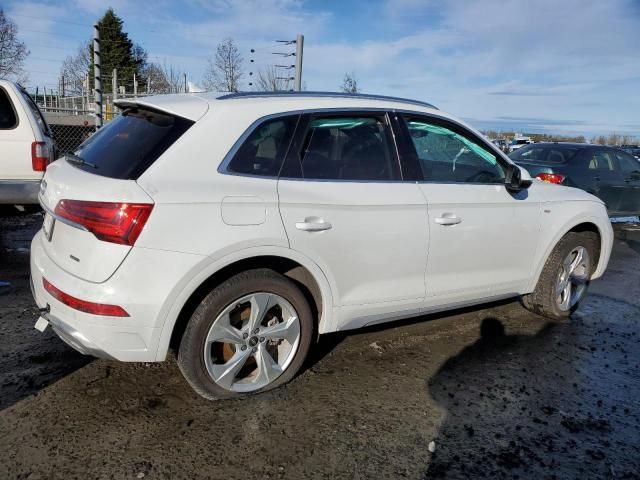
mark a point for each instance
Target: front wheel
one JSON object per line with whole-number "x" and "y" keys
{"x": 565, "y": 277}
{"x": 249, "y": 334}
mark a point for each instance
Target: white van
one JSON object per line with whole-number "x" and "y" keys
{"x": 26, "y": 146}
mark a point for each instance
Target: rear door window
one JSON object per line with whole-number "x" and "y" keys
{"x": 348, "y": 148}
{"x": 128, "y": 145}
{"x": 264, "y": 149}
{"x": 602, "y": 160}
{"x": 8, "y": 117}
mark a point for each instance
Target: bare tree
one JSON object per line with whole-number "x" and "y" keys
{"x": 224, "y": 71}
{"x": 350, "y": 83}
{"x": 165, "y": 78}
{"x": 74, "y": 71}
{"x": 12, "y": 51}
{"x": 268, "y": 80}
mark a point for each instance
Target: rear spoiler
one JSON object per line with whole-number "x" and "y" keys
{"x": 190, "y": 107}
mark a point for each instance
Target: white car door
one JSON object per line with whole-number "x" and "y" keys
{"x": 483, "y": 238}
{"x": 344, "y": 206}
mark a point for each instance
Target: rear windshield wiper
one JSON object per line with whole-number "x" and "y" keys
{"x": 70, "y": 157}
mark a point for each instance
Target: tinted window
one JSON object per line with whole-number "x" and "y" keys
{"x": 542, "y": 153}
{"x": 263, "y": 151}
{"x": 44, "y": 127}
{"x": 600, "y": 160}
{"x": 347, "y": 148}
{"x": 128, "y": 145}
{"x": 8, "y": 117}
{"x": 627, "y": 163}
{"x": 449, "y": 156}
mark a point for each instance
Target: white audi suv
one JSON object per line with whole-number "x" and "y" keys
{"x": 238, "y": 228}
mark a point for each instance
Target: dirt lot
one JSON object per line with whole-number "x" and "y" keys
{"x": 502, "y": 393}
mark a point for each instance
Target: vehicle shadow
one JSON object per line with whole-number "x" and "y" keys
{"x": 328, "y": 342}
{"x": 518, "y": 406}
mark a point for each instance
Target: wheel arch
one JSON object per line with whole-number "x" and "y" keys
{"x": 580, "y": 224}
{"x": 302, "y": 271}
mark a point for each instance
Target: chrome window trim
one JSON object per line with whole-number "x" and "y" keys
{"x": 223, "y": 167}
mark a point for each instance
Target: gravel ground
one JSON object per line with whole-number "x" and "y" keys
{"x": 493, "y": 392}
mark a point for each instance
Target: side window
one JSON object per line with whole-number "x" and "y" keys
{"x": 348, "y": 148}
{"x": 601, "y": 160}
{"x": 627, "y": 163}
{"x": 264, "y": 149}
{"x": 8, "y": 119}
{"x": 450, "y": 156}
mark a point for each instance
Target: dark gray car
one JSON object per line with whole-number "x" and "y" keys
{"x": 609, "y": 173}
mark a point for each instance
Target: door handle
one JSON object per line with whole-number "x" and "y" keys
{"x": 313, "y": 224}
{"x": 448, "y": 219}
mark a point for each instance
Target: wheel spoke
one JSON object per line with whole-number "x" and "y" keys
{"x": 288, "y": 330}
{"x": 560, "y": 287}
{"x": 268, "y": 368}
{"x": 225, "y": 374}
{"x": 566, "y": 297}
{"x": 222, "y": 331}
{"x": 260, "y": 304}
{"x": 577, "y": 261}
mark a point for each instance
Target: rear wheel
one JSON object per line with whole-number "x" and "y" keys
{"x": 565, "y": 277}
{"x": 249, "y": 334}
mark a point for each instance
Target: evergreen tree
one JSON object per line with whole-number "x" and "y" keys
{"x": 119, "y": 52}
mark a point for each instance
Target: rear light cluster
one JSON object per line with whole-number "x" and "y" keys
{"x": 40, "y": 156}
{"x": 83, "y": 305}
{"x": 551, "y": 177}
{"x": 111, "y": 222}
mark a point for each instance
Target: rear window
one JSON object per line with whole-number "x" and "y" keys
{"x": 44, "y": 127}
{"x": 8, "y": 119}
{"x": 128, "y": 145}
{"x": 544, "y": 153}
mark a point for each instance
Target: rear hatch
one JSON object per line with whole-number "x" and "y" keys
{"x": 95, "y": 208}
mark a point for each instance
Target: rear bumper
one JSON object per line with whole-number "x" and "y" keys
{"x": 19, "y": 192}
{"x": 142, "y": 285}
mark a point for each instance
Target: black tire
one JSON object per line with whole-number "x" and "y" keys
{"x": 543, "y": 299}
{"x": 190, "y": 353}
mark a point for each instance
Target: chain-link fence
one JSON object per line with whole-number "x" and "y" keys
{"x": 72, "y": 119}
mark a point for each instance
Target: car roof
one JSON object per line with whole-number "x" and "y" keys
{"x": 194, "y": 105}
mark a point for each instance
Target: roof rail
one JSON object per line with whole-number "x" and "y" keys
{"x": 368, "y": 96}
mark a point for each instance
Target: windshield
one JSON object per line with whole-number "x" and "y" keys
{"x": 540, "y": 153}
{"x": 130, "y": 144}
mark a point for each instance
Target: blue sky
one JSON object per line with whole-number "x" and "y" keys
{"x": 566, "y": 66}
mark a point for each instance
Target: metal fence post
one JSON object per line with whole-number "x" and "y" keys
{"x": 299, "y": 49}
{"x": 96, "y": 73}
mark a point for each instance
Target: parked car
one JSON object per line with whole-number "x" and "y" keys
{"x": 633, "y": 150}
{"x": 502, "y": 144}
{"x": 238, "y": 228}
{"x": 517, "y": 143}
{"x": 609, "y": 173}
{"x": 26, "y": 144}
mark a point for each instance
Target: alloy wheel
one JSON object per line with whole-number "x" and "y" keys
{"x": 252, "y": 342}
{"x": 573, "y": 276}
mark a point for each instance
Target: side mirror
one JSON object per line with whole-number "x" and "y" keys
{"x": 518, "y": 179}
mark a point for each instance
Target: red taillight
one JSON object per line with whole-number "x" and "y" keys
{"x": 111, "y": 222}
{"x": 550, "y": 177}
{"x": 39, "y": 156}
{"x": 83, "y": 305}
